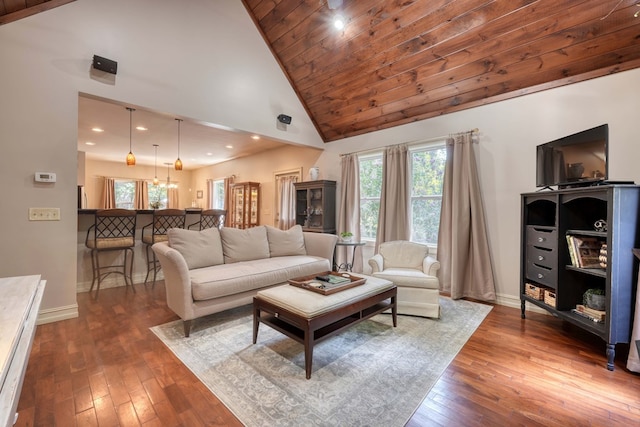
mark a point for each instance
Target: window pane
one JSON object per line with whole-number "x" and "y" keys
{"x": 369, "y": 218}
{"x": 125, "y": 193}
{"x": 425, "y": 214}
{"x": 370, "y": 187}
{"x": 427, "y": 174}
{"x": 370, "y": 177}
{"x": 218, "y": 194}
{"x": 157, "y": 196}
{"x": 428, "y": 171}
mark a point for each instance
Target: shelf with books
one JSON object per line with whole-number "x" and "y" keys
{"x": 563, "y": 249}
{"x": 584, "y": 249}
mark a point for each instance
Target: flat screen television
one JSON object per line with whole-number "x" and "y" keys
{"x": 574, "y": 160}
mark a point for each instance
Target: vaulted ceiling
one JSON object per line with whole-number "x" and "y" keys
{"x": 399, "y": 61}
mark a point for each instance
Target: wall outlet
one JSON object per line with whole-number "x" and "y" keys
{"x": 44, "y": 214}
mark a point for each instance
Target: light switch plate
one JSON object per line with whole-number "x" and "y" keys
{"x": 44, "y": 214}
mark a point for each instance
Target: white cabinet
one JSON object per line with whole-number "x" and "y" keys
{"x": 20, "y": 299}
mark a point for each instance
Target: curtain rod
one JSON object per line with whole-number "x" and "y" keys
{"x": 422, "y": 141}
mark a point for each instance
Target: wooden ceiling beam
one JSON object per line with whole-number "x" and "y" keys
{"x": 18, "y": 9}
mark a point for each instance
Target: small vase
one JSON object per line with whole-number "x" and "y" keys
{"x": 314, "y": 173}
{"x": 602, "y": 258}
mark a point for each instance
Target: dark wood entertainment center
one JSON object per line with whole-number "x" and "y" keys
{"x": 547, "y": 218}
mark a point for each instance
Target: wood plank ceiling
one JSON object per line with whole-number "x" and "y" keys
{"x": 12, "y": 10}
{"x": 400, "y": 61}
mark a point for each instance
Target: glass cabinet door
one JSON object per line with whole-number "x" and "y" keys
{"x": 245, "y": 204}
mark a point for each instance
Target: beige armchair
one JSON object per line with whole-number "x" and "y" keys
{"x": 413, "y": 270}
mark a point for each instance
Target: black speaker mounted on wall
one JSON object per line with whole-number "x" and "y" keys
{"x": 104, "y": 64}
{"x": 283, "y": 118}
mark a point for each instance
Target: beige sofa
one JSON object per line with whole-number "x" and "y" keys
{"x": 212, "y": 270}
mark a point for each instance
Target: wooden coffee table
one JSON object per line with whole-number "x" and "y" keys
{"x": 309, "y": 317}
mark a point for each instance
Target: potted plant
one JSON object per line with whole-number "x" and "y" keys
{"x": 346, "y": 236}
{"x": 594, "y": 298}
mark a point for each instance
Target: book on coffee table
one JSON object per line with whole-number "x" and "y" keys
{"x": 327, "y": 283}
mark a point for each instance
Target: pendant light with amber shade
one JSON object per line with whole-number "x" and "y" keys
{"x": 131, "y": 159}
{"x": 178, "y": 163}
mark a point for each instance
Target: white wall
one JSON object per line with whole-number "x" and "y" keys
{"x": 201, "y": 59}
{"x": 205, "y": 60}
{"x": 509, "y": 133}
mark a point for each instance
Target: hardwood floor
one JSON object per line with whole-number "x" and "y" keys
{"x": 106, "y": 368}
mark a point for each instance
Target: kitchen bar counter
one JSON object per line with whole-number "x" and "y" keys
{"x": 84, "y": 274}
{"x": 139, "y": 211}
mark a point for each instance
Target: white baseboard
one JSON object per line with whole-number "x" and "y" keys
{"x": 56, "y": 314}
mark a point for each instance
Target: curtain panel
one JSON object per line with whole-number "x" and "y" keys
{"x": 349, "y": 213}
{"x": 141, "y": 195}
{"x": 108, "y": 194}
{"x": 172, "y": 198}
{"x": 463, "y": 247}
{"x": 393, "y": 218}
{"x": 287, "y": 202}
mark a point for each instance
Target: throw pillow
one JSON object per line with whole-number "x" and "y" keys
{"x": 199, "y": 248}
{"x": 286, "y": 243}
{"x": 244, "y": 245}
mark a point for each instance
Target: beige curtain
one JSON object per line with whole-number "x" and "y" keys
{"x": 141, "y": 195}
{"x": 172, "y": 198}
{"x": 287, "y": 202}
{"x": 209, "y": 201}
{"x": 108, "y": 194}
{"x": 393, "y": 218}
{"x": 463, "y": 248}
{"x": 349, "y": 213}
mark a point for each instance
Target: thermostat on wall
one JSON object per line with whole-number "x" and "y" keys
{"x": 45, "y": 177}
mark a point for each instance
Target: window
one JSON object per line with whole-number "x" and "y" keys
{"x": 427, "y": 173}
{"x": 370, "y": 186}
{"x": 125, "y": 192}
{"x": 157, "y": 196}
{"x": 217, "y": 201}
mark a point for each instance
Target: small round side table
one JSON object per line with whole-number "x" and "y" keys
{"x": 346, "y": 266}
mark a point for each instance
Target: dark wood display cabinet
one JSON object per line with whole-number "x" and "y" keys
{"x": 316, "y": 206}
{"x": 548, "y": 217}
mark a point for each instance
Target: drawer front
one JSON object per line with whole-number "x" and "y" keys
{"x": 542, "y": 275}
{"x": 543, "y": 238}
{"x": 543, "y": 257}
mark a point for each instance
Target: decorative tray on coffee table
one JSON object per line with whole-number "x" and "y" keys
{"x": 337, "y": 282}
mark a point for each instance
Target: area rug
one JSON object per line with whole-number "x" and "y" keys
{"x": 369, "y": 375}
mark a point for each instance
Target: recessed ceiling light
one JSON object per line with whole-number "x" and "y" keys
{"x": 229, "y": 146}
{"x": 97, "y": 129}
{"x": 141, "y": 128}
{"x": 209, "y": 154}
{"x": 256, "y": 137}
{"x": 90, "y": 143}
{"x": 338, "y": 22}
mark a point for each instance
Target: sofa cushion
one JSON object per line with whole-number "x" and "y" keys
{"x": 244, "y": 245}
{"x": 199, "y": 248}
{"x": 229, "y": 279}
{"x": 286, "y": 243}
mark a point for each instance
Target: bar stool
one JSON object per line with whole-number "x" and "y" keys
{"x": 163, "y": 220}
{"x": 113, "y": 230}
{"x": 210, "y": 218}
